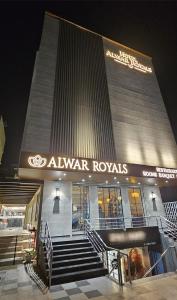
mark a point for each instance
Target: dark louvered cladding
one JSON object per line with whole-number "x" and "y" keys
{"x": 81, "y": 124}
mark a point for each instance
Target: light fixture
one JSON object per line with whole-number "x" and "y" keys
{"x": 153, "y": 201}
{"x": 166, "y": 181}
{"x": 126, "y": 178}
{"x": 155, "y": 184}
{"x": 100, "y": 201}
{"x": 58, "y": 193}
{"x": 115, "y": 178}
{"x": 90, "y": 176}
{"x": 64, "y": 174}
{"x": 107, "y": 200}
{"x": 139, "y": 183}
{"x": 119, "y": 198}
{"x": 135, "y": 194}
{"x": 56, "y": 206}
{"x": 59, "y": 179}
{"x": 83, "y": 179}
{"x": 118, "y": 182}
{"x": 106, "y": 181}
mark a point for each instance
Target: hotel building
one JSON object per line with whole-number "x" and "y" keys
{"x": 98, "y": 137}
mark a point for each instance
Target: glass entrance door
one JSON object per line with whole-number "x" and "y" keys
{"x": 80, "y": 207}
{"x": 136, "y": 207}
{"x": 110, "y": 207}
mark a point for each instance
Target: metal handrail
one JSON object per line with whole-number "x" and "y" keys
{"x": 167, "y": 227}
{"x": 120, "y": 222}
{"x": 46, "y": 238}
{"x": 15, "y": 249}
{"x": 156, "y": 263}
{"x": 100, "y": 246}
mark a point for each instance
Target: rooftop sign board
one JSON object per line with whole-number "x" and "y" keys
{"x": 128, "y": 60}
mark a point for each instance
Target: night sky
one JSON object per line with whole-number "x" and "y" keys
{"x": 149, "y": 27}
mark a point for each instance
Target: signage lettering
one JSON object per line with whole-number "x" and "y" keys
{"x": 161, "y": 173}
{"x": 38, "y": 161}
{"x": 88, "y": 165}
{"x": 128, "y": 60}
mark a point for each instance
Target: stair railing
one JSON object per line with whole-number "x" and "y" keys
{"x": 101, "y": 248}
{"x": 167, "y": 227}
{"x": 47, "y": 240}
{"x": 160, "y": 258}
{"x": 15, "y": 249}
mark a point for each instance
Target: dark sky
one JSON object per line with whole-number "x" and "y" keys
{"x": 149, "y": 27}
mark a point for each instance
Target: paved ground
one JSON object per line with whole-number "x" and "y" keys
{"x": 16, "y": 284}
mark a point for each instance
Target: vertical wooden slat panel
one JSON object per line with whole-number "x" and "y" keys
{"x": 81, "y": 123}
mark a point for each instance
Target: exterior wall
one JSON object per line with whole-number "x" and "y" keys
{"x": 142, "y": 131}
{"x": 93, "y": 198}
{"x": 2, "y": 138}
{"x": 32, "y": 211}
{"x": 126, "y": 206}
{"x": 60, "y": 224}
{"x": 152, "y": 208}
{"x": 36, "y": 136}
{"x": 84, "y": 104}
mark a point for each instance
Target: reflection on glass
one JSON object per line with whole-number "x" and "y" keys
{"x": 109, "y": 202}
{"x": 80, "y": 206}
{"x": 136, "y": 206}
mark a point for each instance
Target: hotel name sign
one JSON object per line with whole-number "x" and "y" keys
{"x": 76, "y": 164}
{"x": 128, "y": 60}
{"x": 58, "y": 162}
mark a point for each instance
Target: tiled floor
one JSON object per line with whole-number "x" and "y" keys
{"x": 15, "y": 284}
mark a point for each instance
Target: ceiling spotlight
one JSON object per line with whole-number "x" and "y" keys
{"x": 106, "y": 181}
{"x": 127, "y": 178}
{"x": 166, "y": 181}
{"x": 115, "y": 178}
{"x": 139, "y": 182}
{"x": 90, "y": 176}
{"x": 64, "y": 174}
{"x": 155, "y": 184}
{"x": 83, "y": 179}
{"x": 59, "y": 179}
{"x": 118, "y": 182}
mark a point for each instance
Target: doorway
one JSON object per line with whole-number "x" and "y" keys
{"x": 110, "y": 207}
{"x": 136, "y": 207}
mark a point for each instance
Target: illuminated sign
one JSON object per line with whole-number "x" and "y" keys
{"x": 37, "y": 161}
{"x": 65, "y": 163}
{"x": 128, "y": 60}
{"x": 161, "y": 173}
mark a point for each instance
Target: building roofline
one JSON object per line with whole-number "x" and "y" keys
{"x": 83, "y": 28}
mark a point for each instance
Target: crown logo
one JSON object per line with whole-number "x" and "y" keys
{"x": 37, "y": 161}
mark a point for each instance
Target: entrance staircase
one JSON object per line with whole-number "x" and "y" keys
{"x": 75, "y": 260}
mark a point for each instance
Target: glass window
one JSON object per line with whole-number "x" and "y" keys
{"x": 136, "y": 205}
{"x": 110, "y": 202}
{"x": 80, "y": 206}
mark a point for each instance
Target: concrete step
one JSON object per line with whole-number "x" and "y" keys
{"x": 79, "y": 275}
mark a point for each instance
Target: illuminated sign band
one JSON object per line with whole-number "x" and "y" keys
{"x": 128, "y": 60}
{"x": 64, "y": 163}
{"x": 161, "y": 173}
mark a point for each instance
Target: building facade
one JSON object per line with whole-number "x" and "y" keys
{"x": 2, "y": 137}
{"x": 96, "y": 132}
